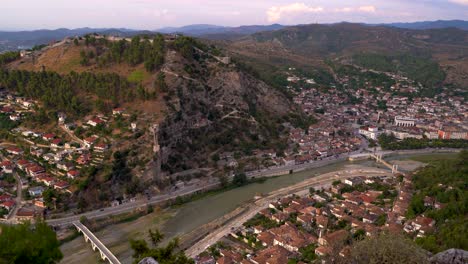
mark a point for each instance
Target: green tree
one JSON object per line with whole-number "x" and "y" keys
{"x": 8, "y": 57}
{"x": 155, "y": 236}
{"x": 26, "y": 243}
{"x": 308, "y": 253}
{"x": 169, "y": 254}
{"x": 160, "y": 82}
{"x": 239, "y": 179}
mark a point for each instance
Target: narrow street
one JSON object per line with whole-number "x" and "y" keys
{"x": 70, "y": 134}
{"x": 19, "y": 195}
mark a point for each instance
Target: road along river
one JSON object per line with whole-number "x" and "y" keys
{"x": 186, "y": 218}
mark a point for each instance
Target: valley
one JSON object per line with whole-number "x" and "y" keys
{"x": 196, "y": 136}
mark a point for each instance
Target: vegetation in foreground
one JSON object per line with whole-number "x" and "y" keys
{"x": 27, "y": 243}
{"x": 169, "y": 254}
{"x": 387, "y": 249}
{"x": 446, "y": 181}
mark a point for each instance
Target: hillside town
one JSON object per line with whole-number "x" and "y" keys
{"x": 326, "y": 222}
{"x": 373, "y": 110}
{"x": 46, "y": 163}
{"x": 55, "y": 159}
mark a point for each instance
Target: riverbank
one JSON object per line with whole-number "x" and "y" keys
{"x": 189, "y": 216}
{"x": 116, "y": 238}
{"x": 248, "y": 210}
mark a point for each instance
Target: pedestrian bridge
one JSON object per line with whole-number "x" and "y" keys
{"x": 378, "y": 157}
{"x": 106, "y": 254}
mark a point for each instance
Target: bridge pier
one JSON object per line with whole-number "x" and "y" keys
{"x": 103, "y": 256}
{"x": 96, "y": 244}
{"x": 379, "y": 159}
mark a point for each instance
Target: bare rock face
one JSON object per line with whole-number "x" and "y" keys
{"x": 206, "y": 97}
{"x": 240, "y": 91}
{"x": 450, "y": 256}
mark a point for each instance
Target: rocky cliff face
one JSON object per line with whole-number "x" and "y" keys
{"x": 214, "y": 106}
{"x": 450, "y": 256}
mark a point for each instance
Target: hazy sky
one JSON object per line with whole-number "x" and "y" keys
{"x": 153, "y": 14}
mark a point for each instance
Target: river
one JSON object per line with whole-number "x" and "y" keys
{"x": 202, "y": 211}
{"x": 175, "y": 222}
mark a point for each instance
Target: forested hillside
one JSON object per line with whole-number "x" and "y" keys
{"x": 421, "y": 69}
{"x": 65, "y": 92}
{"x": 446, "y": 182}
{"x": 194, "y": 89}
{"x": 432, "y": 57}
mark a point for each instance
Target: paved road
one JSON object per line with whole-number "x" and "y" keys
{"x": 130, "y": 206}
{"x": 127, "y": 207}
{"x": 19, "y": 195}
{"x": 19, "y": 189}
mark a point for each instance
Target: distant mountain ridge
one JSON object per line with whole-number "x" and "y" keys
{"x": 14, "y": 40}
{"x": 204, "y": 29}
{"x": 460, "y": 24}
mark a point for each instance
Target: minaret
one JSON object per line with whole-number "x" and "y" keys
{"x": 157, "y": 151}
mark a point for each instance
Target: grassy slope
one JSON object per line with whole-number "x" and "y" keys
{"x": 66, "y": 58}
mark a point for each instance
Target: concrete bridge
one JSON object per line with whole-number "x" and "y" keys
{"x": 378, "y": 158}
{"x": 106, "y": 254}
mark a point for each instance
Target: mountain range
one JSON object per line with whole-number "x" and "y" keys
{"x": 460, "y": 24}
{"x": 424, "y": 53}
{"x": 14, "y": 40}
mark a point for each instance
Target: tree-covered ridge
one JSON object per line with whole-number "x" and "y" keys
{"x": 420, "y": 69}
{"x": 60, "y": 92}
{"x": 140, "y": 49}
{"x": 26, "y": 243}
{"x": 8, "y": 57}
{"x": 447, "y": 182}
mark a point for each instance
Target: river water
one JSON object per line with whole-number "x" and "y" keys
{"x": 200, "y": 212}
{"x": 194, "y": 214}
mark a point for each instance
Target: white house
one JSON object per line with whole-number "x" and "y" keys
{"x": 371, "y": 132}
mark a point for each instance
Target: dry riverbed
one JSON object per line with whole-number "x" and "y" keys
{"x": 116, "y": 238}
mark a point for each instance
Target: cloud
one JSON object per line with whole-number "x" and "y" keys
{"x": 366, "y": 9}
{"x": 344, "y": 10}
{"x": 461, "y": 2}
{"x": 275, "y": 13}
{"x": 369, "y": 9}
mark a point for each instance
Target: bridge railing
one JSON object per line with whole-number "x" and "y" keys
{"x": 105, "y": 253}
